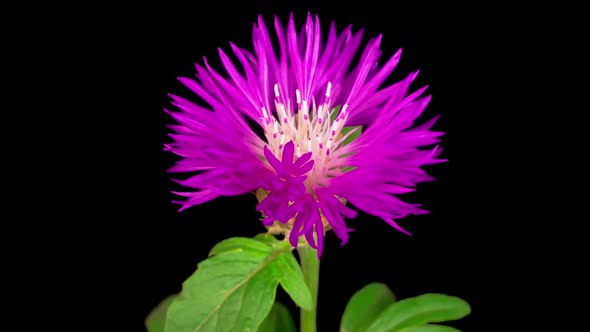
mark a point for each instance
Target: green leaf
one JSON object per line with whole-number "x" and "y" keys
{"x": 430, "y": 328}
{"x": 334, "y": 113}
{"x": 239, "y": 243}
{"x": 364, "y": 307}
{"x": 419, "y": 310}
{"x": 268, "y": 239}
{"x": 292, "y": 281}
{"x": 234, "y": 289}
{"x": 357, "y": 129}
{"x": 279, "y": 319}
{"x": 354, "y": 135}
{"x": 156, "y": 319}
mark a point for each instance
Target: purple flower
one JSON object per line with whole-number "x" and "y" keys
{"x": 305, "y": 95}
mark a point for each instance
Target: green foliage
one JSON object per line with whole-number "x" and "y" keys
{"x": 279, "y": 319}
{"x": 353, "y": 135}
{"x": 234, "y": 289}
{"x": 364, "y": 307}
{"x": 420, "y": 310}
{"x": 156, "y": 319}
{"x": 430, "y": 328}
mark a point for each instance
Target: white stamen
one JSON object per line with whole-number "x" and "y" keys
{"x": 344, "y": 109}
{"x": 328, "y": 89}
{"x": 308, "y": 124}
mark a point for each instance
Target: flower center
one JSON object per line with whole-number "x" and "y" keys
{"x": 278, "y": 227}
{"x": 313, "y": 127}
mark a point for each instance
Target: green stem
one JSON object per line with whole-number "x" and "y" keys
{"x": 310, "y": 264}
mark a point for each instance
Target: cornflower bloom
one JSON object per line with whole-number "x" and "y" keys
{"x": 333, "y": 133}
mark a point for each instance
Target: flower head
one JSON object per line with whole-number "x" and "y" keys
{"x": 309, "y": 100}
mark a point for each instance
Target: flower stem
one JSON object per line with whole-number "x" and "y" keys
{"x": 310, "y": 264}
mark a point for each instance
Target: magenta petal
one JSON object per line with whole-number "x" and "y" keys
{"x": 396, "y": 226}
{"x": 332, "y": 209}
{"x": 275, "y": 163}
{"x": 285, "y": 72}
{"x": 295, "y": 232}
{"x": 304, "y": 169}
{"x": 310, "y": 239}
{"x": 304, "y": 158}
{"x": 288, "y": 154}
{"x": 319, "y": 228}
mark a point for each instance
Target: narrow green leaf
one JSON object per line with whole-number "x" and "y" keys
{"x": 156, "y": 320}
{"x": 334, "y": 113}
{"x": 354, "y": 135}
{"x": 419, "y": 310}
{"x": 357, "y": 129}
{"x": 234, "y": 289}
{"x": 278, "y": 320}
{"x": 293, "y": 283}
{"x": 364, "y": 306}
{"x": 430, "y": 328}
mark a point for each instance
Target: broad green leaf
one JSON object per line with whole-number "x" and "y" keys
{"x": 292, "y": 278}
{"x": 156, "y": 319}
{"x": 419, "y": 310}
{"x": 268, "y": 239}
{"x": 239, "y": 243}
{"x": 430, "y": 328}
{"x": 278, "y": 320}
{"x": 364, "y": 307}
{"x": 234, "y": 289}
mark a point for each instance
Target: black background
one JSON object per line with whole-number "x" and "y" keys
{"x": 126, "y": 60}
